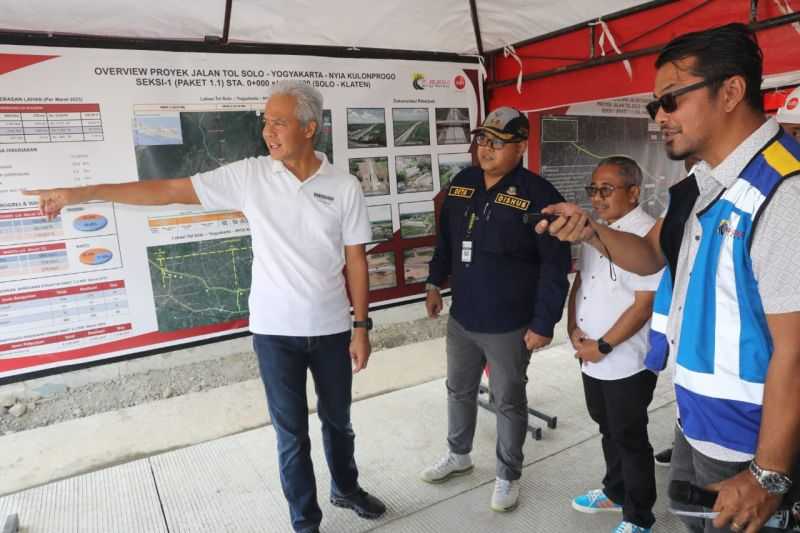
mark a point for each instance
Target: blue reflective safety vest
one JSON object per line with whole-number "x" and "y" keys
{"x": 725, "y": 345}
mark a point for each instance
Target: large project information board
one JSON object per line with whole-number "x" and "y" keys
{"x": 106, "y": 280}
{"x": 576, "y": 138}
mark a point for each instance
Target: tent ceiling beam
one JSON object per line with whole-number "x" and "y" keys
{"x": 606, "y": 60}
{"x": 664, "y": 23}
{"x": 476, "y": 26}
{"x": 569, "y": 29}
{"x": 215, "y": 45}
{"x": 226, "y": 25}
{"x": 593, "y": 37}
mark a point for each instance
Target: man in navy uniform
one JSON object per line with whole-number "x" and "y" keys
{"x": 509, "y": 286}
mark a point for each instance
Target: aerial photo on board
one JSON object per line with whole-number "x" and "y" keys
{"x": 450, "y": 165}
{"x": 414, "y": 173}
{"x": 380, "y": 221}
{"x": 372, "y": 173}
{"x": 415, "y": 264}
{"x": 200, "y": 283}
{"x": 173, "y": 145}
{"x": 366, "y": 127}
{"x": 382, "y": 270}
{"x": 177, "y": 144}
{"x": 411, "y": 126}
{"x": 417, "y": 219}
{"x": 452, "y": 125}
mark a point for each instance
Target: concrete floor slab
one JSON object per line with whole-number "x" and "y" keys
{"x": 45, "y": 454}
{"x": 232, "y": 484}
{"x": 119, "y": 499}
{"x": 547, "y": 488}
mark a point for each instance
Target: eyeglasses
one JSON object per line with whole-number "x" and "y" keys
{"x": 496, "y": 144}
{"x": 605, "y": 190}
{"x": 668, "y": 101}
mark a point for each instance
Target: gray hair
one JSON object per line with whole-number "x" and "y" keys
{"x": 309, "y": 102}
{"x": 627, "y": 168}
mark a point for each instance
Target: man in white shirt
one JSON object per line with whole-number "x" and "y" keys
{"x": 609, "y": 311}
{"x": 308, "y": 223}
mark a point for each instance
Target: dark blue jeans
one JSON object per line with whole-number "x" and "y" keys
{"x": 284, "y": 363}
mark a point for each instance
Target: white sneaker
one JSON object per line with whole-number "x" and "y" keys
{"x": 505, "y": 495}
{"x": 451, "y": 465}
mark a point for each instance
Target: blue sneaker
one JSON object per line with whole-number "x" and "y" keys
{"x": 627, "y": 527}
{"x": 595, "y": 501}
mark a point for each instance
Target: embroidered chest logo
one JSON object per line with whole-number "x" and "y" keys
{"x": 726, "y": 230}
{"x": 324, "y": 198}
{"x": 512, "y": 201}
{"x": 461, "y": 192}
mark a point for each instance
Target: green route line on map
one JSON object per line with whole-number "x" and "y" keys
{"x": 166, "y": 271}
{"x": 200, "y": 254}
{"x": 580, "y": 148}
{"x": 193, "y": 310}
{"x": 235, "y": 279}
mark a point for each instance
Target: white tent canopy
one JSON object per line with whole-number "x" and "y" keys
{"x": 418, "y": 25}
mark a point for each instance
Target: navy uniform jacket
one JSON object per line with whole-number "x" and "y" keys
{"x": 516, "y": 278}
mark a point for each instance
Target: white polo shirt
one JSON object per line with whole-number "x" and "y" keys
{"x": 299, "y": 230}
{"x": 600, "y": 301}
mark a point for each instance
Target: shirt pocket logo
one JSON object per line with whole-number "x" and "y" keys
{"x": 324, "y": 198}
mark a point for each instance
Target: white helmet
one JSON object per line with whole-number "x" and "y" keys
{"x": 789, "y": 113}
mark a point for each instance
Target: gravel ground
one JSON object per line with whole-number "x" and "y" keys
{"x": 20, "y": 414}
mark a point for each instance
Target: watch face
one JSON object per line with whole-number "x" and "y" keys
{"x": 775, "y": 483}
{"x": 772, "y": 482}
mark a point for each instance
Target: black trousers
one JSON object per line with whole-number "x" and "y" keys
{"x": 620, "y": 409}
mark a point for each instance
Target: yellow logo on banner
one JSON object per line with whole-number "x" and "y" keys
{"x": 461, "y": 192}
{"x": 512, "y": 201}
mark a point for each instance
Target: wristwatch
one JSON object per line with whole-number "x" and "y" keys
{"x": 603, "y": 347}
{"x": 363, "y": 323}
{"x": 432, "y": 287}
{"x": 771, "y": 481}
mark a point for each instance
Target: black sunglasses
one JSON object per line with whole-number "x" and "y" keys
{"x": 668, "y": 101}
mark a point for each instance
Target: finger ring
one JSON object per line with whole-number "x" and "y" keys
{"x": 735, "y": 526}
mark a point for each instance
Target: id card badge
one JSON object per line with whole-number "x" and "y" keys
{"x": 466, "y": 251}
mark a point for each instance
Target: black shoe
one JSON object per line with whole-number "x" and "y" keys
{"x": 365, "y": 505}
{"x": 663, "y": 458}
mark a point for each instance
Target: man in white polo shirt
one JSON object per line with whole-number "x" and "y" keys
{"x": 609, "y": 311}
{"x": 308, "y": 223}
